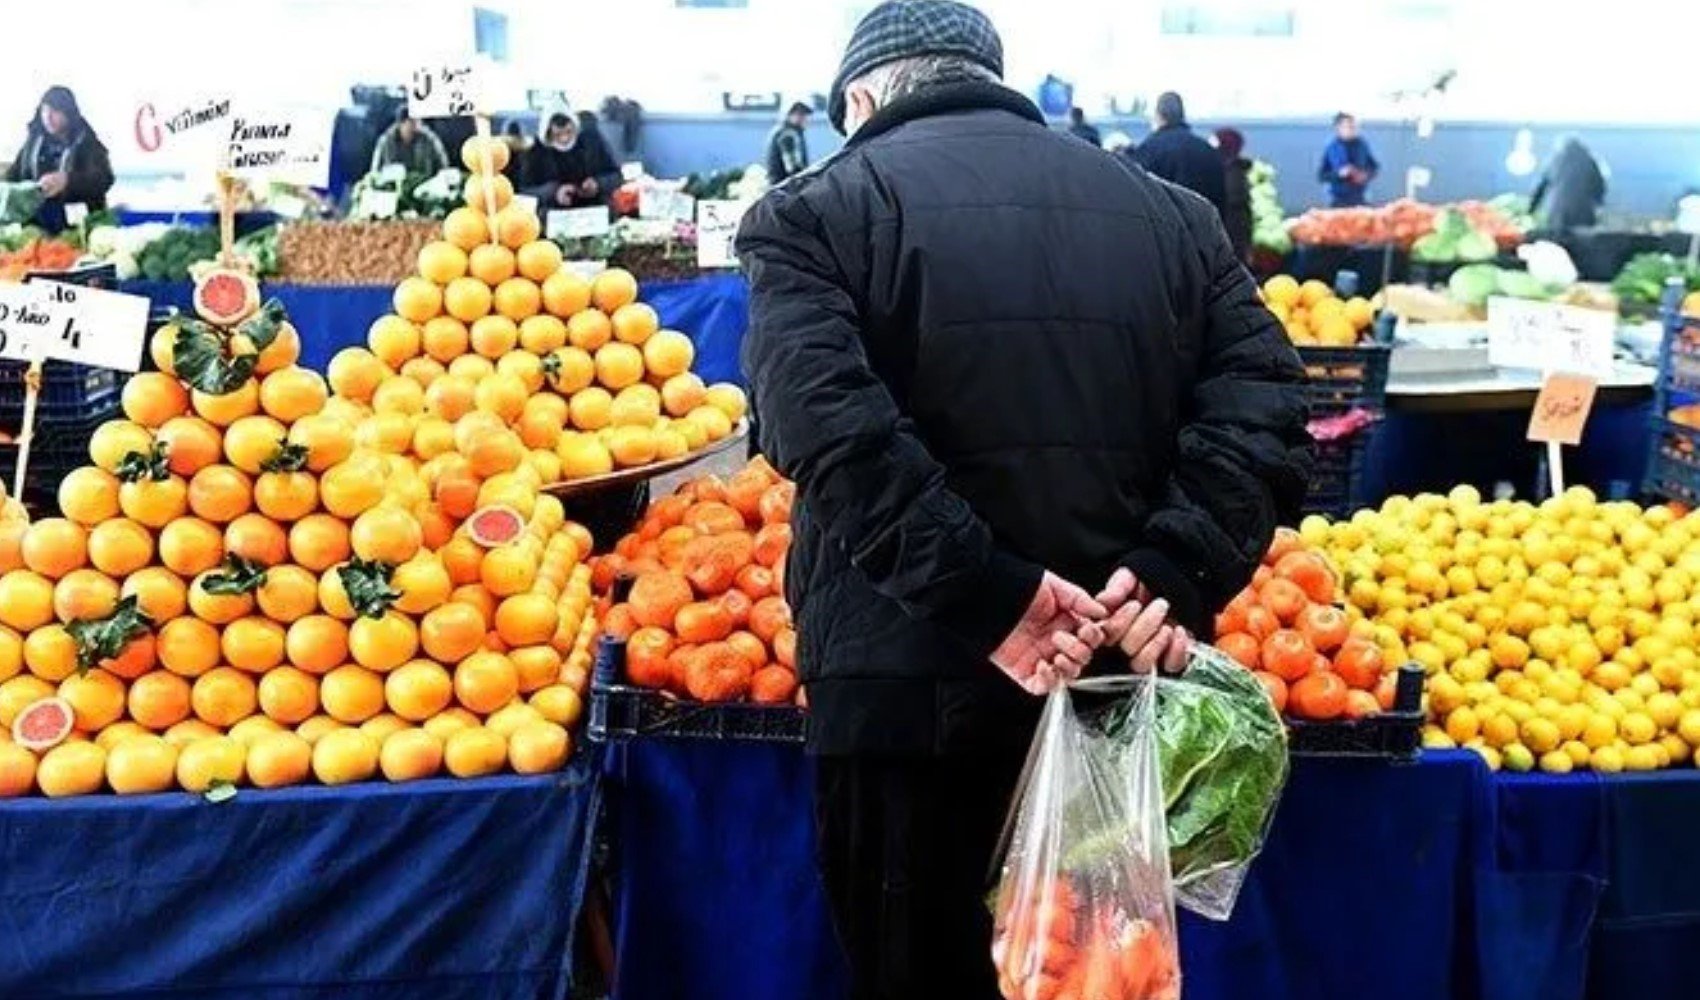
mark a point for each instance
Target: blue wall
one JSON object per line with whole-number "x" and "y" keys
{"x": 1651, "y": 166}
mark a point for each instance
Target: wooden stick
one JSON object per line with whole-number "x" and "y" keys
{"x": 1555, "y": 467}
{"x": 32, "y": 395}
{"x": 226, "y": 219}
{"x": 487, "y": 170}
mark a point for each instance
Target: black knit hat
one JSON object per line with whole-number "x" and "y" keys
{"x": 903, "y": 29}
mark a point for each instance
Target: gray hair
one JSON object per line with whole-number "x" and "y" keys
{"x": 901, "y": 77}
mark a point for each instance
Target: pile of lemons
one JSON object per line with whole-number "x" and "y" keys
{"x": 1314, "y": 316}
{"x": 1558, "y": 635}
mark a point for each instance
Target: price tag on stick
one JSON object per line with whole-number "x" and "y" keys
{"x": 443, "y": 91}
{"x": 577, "y": 223}
{"x": 98, "y": 327}
{"x": 717, "y": 228}
{"x": 1561, "y": 411}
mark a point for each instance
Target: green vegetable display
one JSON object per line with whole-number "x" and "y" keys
{"x": 1268, "y": 221}
{"x": 1454, "y": 240}
{"x": 19, "y": 201}
{"x": 1640, "y": 286}
{"x": 168, "y": 258}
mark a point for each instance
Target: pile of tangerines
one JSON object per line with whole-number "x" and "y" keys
{"x": 705, "y": 615}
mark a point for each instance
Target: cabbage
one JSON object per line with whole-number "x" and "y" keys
{"x": 1521, "y": 285}
{"x": 1434, "y": 249}
{"x": 1476, "y": 246}
{"x": 1473, "y": 284}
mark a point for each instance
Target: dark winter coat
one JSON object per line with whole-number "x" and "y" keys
{"x": 423, "y": 157}
{"x": 1571, "y": 190}
{"x": 82, "y": 157}
{"x": 787, "y": 152}
{"x": 1236, "y": 205}
{"x": 982, "y": 349}
{"x": 547, "y": 168}
{"x": 1178, "y": 156}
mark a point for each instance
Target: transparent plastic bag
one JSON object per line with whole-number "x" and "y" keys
{"x": 1084, "y": 908}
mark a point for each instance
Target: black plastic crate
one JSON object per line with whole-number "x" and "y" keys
{"x": 59, "y": 449}
{"x": 1673, "y": 468}
{"x": 70, "y": 393}
{"x": 620, "y": 711}
{"x": 1341, "y": 378}
{"x": 1392, "y": 735}
{"x": 1337, "y": 477}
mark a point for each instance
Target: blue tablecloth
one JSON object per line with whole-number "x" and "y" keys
{"x": 436, "y": 889}
{"x": 1434, "y": 881}
{"x": 712, "y": 310}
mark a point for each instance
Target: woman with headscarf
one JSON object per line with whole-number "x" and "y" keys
{"x": 1236, "y": 190}
{"x": 64, "y": 157}
{"x": 563, "y": 170}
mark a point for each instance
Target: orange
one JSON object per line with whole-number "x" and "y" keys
{"x": 119, "y": 547}
{"x": 351, "y": 694}
{"x": 518, "y": 298}
{"x": 252, "y": 440}
{"x": 382, "y": 726}
{"x": 474, "y": 150}
{"x": 711, "y": 420}
{"x": 189, "y": 731}
{"x": 539, "y": 259}
{"x": 253, "y": 644}
{"x": 17, "y": 771}
{"x": 382, "y": 644}
{"x": 503, "y": 396}
{"x": 565, "y": 293}
{"x": 682, "y": 393}
{"x": 466, "y": 228}
{"x": 327, "y": 439}
{"x": 558, "y": 703}
{"x": 386, "y": 535}
{"x": 474, "y": 752}
{"x": 158, "y": 699}
{"x": 619, "y": 365}
{"x": 517, "y": 226}
{"x": 290, "y": 394}
{"x": 223, "y": 696}
{"x": 286, "y": 496}
{"x": 188, "y": 647}
{"x": 217, "y": 609}
{"x": 440, "y": 262}
{"x": 141, "y": 765}
{"x": 257, "y": 538}
{"x": 416, "y": 300}
{"x": 538, "y": 748}
{"x": 423, "y": 370}
{"x": 26, "y": 600}
{"x": 160, "y": 593}
{"x": 496, "y": 452}
{"x": 491, "y": 263}
{"x": 11, "y": 654}
{"x": 632, "y": 446}
{"x": 472, "y": 366}
{"x": 356, "y": 373}
{"x": 452, "y": 632}
{"x": 17, "y": 694}
{"x": 317, "y": 643}
{"x": 538, "y": 429}
{"x": 451, "y": 397}
{"x": 283, "y": 351}
{"x": 536, "y": 666}
{"x": 89, "y": 495}
{"x": 333, "y": 596}
{"x": 71, "y": 769}
{"x": 410, "y": 754}
{"x": 400, "y": 396}
{"x": 318, "y": 542}
{"x": 591, "y": 409}
{"x": 728, "y": 399}
{"x": 275, "y": 760}
{"x": 526, "y": 619}
{"x": 634, "y": 323}
{"x": 96, "y": 699}
{"x": 50, "y": 653}
{"x": 85, "y": 594}
{"x": 225, "y": 409}
{"x": 636, "y": 406}
{"x": 115, "y": 439}
{"x": 466, "y": 299}
{"x": 666, "y": 354}
{"x": 485, "y": 681}
{"x": 444, "y": 339}
{"x": 612, "y": 289}
{"x": 1320, "y": 695}
{"x": 494, "y": 335}
{"x": 507, "y": 570}
{"x": 55, "y": 547}
{"x": 345, "y": 755}
{"x": 589, "y": 330}
{"x": 288, "y": 695}
{"x": 505, "y": 720}
{"x": 423, "y": 582}
{"x": 205, "y": 762}
{"x": 190, "y": 546}
{"x": 417, "y": 690}
{"x": 352, "y": 487}
{"x": 12, "y": 545}
{"x": 449, "y": 720}
{"x": 484, "y": 189}
{"x": 152, "y": 398}
{"x": 219, "y": 493}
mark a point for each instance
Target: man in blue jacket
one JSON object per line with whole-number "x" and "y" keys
{"x": 1347, "y": 164}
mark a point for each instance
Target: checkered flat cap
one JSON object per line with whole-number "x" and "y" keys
{"x": 901, "y": 29}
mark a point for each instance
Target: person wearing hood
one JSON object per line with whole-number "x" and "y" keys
{"x": 1572, "y": 189}
{"x": 788, "y": 144}
{"x": 566, "y": 170}
{"x": 1173, "y": 152}
{"x": 1236, "y": 190}
{"x": 64, "y": 157}
{"x": 412, "y": 144}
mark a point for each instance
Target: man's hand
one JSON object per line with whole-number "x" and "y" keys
{"x": 589, "y": 187}
{"x": 564, "y": 195}
{"x": 1054, "y": 639}
{"x": 1139, "y": 626}
{"x": 53, "y": 184}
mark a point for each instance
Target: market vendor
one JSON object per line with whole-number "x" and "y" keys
{"x": 1571, "y": 190}
{"x": 64, "y": 157}
{"x": 565, "y": 170}
{"x": 980, "y": 446}
{"x": 1348, "y": 165}
{"x": 412, "y": 144}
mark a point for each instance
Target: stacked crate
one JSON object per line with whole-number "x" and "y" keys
{"x": 1339, "y": 380}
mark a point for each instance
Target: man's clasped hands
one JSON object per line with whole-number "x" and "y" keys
{"x": 1064, "y": 627}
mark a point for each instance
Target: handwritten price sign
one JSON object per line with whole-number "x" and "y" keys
{"x": 717, "y": 228}
{"x": 443, "y": 91}
{"x": 1548, "y": 337}
{"x": 1561, "y": 410}
{"x": 95, "y": 326}
{"x": 28, "y": 321}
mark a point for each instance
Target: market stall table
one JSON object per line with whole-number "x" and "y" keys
{"x": 1426, "y": 881}
{"x": 441, "y": 888}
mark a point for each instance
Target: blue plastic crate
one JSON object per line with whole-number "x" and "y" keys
{"x": 621, "y": 711}
{"x": 59, "y": 449}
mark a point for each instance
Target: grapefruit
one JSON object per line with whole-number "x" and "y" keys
{"x": 495, "y": 526}
{"x": 43, "y": 723}
{"x": 225, "y": 297}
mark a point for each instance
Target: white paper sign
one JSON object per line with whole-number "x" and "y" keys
{"x": 443, "y": 91}
{"x": 105, "y": 329}
{"x": 376, "y": 203}
{"x": 631, "y": 171}
{"x": 656, "y": 201}
{"x": 75, "y": 213}
{"x": 576, "y": 223}
{"x": 27, "y": 320}
{"x": 289, "y": 146}
{"x": 1548, "y": 337}
{"x": 159, "y": 123}
{"x": 717, "y": 227}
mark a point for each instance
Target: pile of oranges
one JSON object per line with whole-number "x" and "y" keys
{"x": 1313, "y": 315}
{"x": 705, "y": 617}
{"x": 579, "y": 372}
{"x": 1318, "y": 660}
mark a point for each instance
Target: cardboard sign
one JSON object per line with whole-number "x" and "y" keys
{"x": 287, "y": 146}
{"x": 576, "y": 223}
{"x": 1562, "y": 409}
{"x": 1548, "y": 337}
{"x": 27, "y": 320}
{"x": 717, "y": 228}
{"x": 443, "y": 91}
{"x": 97, "y": 327}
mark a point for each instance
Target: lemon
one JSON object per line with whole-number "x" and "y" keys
{"x": 1518, "y": 758}
{"x": 1540, "y": 735}
{"x": 1638, "y": 728}
{"x": 1556, "y": 762}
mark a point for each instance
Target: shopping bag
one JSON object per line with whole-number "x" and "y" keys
{"x": 1084, "y": 908}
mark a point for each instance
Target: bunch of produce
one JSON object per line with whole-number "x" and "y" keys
{"x": 1559, "y": 635}
{"x": 1314, "y": 315}
{"x": 1318, "y": 660}
{"x": 36, "y": 256}
{"x": 1454, "y": 240}
{"x": 263, "y": 579}
{"x": 351, "y": 253}
{"x": 1268, "y": 221}
{"x": 579, "y": 371}
{"x": 652, "y": 249}
{"x": 1403, "y": 223}
{"x": 706, "y": 617}
{"x": 1473, "y": 284}
{"x": 415, "y": 196}
{"x": 1064, "y": 940}
{"x": 1640, "y": 286}
{"x": 19, "y": 201}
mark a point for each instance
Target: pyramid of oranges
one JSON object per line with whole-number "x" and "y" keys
{"x": 263, "y": 578}
{"x": 580, "y": 373}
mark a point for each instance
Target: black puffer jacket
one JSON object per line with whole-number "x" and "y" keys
{"x": 981, "y": 348}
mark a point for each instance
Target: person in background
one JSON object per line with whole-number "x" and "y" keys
{"x": 1347, "y": 164}
{"x": 564, "y": 170}
{"x": 412, "y": 144}
{"x": 788, "y": 144}
{"x": 1078, "y": 127}
{"x": 590, "y": 131}
{"x": 1573, "y": 188}
{"x": 942, "y": 535}
{"x": 64, "y": 157}
{"x": 1175, "y": 154}
{"x": 1236, "y": 190}
{"x": 518, "y": 143}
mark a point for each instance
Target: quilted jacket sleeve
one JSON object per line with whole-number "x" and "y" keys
{"x": 862, "y": 474}
{"x": 1243, "y": 455}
